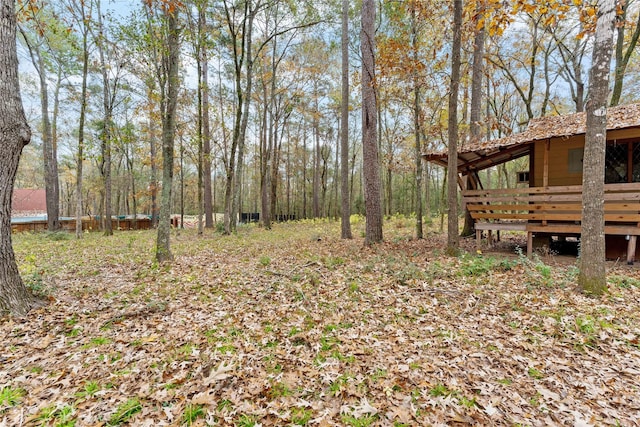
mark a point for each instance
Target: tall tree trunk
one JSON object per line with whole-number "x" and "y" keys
{"x": 48, "y": 152}
{"x": 182, "y": 190}
{"x": 452, "y": 168}
{"x": 153, "y": 159}
{"x": 592, "y": 277}
{"x": 477, "y": 75}
{"x": 82, "y": 119}
{"x": 304, "y": 171}
{"x": 265, "y": 151}
{"x": 389, "y": 172}
{"x": 416, "y": 126}
{"x": 198, "y": 45}
{"x": 171, "y": 60}
{"x": 373, "y": 208}
{"x": 200, "y": 196}
{"x": 134, "y": 197}
{"x": 316, "y": 152}
{"x": 206, "y": 131}
{"x": 50, "y": 156}
{"x": 106, "y": 132}
{"x": 241, "y": 52}
{"x": 276, "y": 158}
{"x": 15, "y": 298}
{"x": 344, "y": 128}
{"x": 237, "y": 201}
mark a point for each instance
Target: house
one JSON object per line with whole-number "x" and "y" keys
{"x": 28, "y": 202}
{"x": 549, "y": 205}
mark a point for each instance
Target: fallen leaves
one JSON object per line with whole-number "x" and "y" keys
{"x": 246, "y": 330}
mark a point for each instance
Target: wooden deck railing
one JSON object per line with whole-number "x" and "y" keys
{"x": 554, "y": 210}
{"x": 87, "y": 224}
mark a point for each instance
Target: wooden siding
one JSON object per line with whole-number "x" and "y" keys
{"x": 558, "y": 167}
{"x": 558, "y": 161}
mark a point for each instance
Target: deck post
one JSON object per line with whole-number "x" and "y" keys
{"x": 631, "y": 249}
{"x": 478, "y": 238}
{"x": 545, "y": 164}
{"x": 529, "y": 244}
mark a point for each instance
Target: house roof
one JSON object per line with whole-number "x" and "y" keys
{"x": 483, "y": 154}
{"x": 29, "y": 200}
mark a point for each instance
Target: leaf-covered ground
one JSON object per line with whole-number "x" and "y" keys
{"x": 296, "y": 327}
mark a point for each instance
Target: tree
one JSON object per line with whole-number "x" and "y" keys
{"x": 239, "y": 23}
{"x": 452, "y": 166}
{"x": 109, "y": 91}
{"x": 344, "y": 127}
{"x": 572, "y": 49}
{"x": 521, "y": 63}
{"x": 371, "y": 166}
{"x": 417, "y": 113}
{"x": 79, "y": 10}
{"x": 592, "y": 278}
{"x": 145, "y": 63}
{"x": 477, "y": 75}
{"x": 168, "y": 79}
{"x": 14, "y": 135}
{"x": 622, "y": 56}
{"x": 206, "y": 133}
{"x": 37, "y": 45}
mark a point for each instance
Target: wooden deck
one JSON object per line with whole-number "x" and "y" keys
{"x": 553, "y": 210}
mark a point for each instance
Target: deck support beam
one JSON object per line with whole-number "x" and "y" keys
{"x": 631, "y": 249}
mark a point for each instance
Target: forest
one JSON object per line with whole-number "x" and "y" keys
{"x": 305, "y": 265}
{"x": 259, "y": 95}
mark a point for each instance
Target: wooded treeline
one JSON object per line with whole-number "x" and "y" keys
{"x": 258, "y": 98}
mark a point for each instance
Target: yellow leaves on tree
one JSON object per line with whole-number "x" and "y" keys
{"x": 496, "y": 17}
{"x": 167, "y": 6}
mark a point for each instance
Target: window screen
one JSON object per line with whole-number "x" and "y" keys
{"x": 615, "y": 163}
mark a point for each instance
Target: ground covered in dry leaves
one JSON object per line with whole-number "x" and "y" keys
{"x": 294, "y": 326}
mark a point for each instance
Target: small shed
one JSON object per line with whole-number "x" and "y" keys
{"x": 550, "y": 205}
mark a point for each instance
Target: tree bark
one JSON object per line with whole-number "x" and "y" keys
{"x": 417, "y": 113}
{"x": 200, "y": 196}
{"x": 371, "y": 166}
{"x": 476, "y": 101}
{"x": 592, "y": 277}
{"x": 316, "y": 152}
{"x": 344, "y": 128}
{"x": 106, "y": 131}
{"x": 170, "y": 60}
{"x": 452, "y": 168}
{"x": 206, "y": 127}
{"x": 82, "y": 119}
{"x": 15, "y": 298}
{"x": 48, "y": 149}
{"x": 237, "y": 201}
{"x": 153, "y": 159}
{"x": 241, "y": 51}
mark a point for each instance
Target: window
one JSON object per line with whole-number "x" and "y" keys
{"x": 636, "y": 162}
{"x": 575, "y": 160}
{"x": 523, "y": 177}
{"x": 616, "y": 159}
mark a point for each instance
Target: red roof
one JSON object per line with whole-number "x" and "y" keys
{"x": 29, "y": 201}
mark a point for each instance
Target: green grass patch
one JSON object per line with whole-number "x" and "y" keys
{"x": 125, "y": 412}
{"x": 11, "y": 396}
